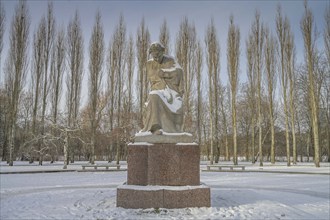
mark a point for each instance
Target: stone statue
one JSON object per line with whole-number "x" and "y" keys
{"x": 164, "y": 108}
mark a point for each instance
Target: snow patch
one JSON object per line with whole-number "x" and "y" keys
{"x": 170, "y": 98}
{"x": 187, "y": 143}
{"x": 139, "y": 143}
{"x": 157, "y": 188}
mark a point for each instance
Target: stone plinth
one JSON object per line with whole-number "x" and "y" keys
{"x": 136, "y": 197}
{"x": 163, "y": 164}
{"x": 163, "y": 175}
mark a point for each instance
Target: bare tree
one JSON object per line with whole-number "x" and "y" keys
{"x": 16, "y": 68}
{"x": 2, "y": 26}
{"x": 282, "y": 30}
{"x": 326, "y": 37}
{"x": 213, "y": 64}
{"x": 47, "y": 27}
{"x": 75, "y": 61}
{"x": 307, "y": 28}
{"x": 251, "y": 90}
{"x": 233, "y": 53}
{"x": 57, "y": 71}
{"x": 164, "y": 37}
{"x": 2, "y": 97}
{"x": 142, "y": 44}
{"x": 185, "y": 51}
{"x": 244, "y": 118}
{"x": 37, "y": 70}
{"x": 96, "y": 56}
{"x": 257, "y": 31}
{"x": 199, "y": 66}
{"x": 130, "y": 71}
{"x": 48, "y": 46}
{"x": 290, "y": 62}
{"x": 111, "y": 82}
{"x": 119, "y": 47}
{"x": 270, "y": 73}
{"x": 224, "y": 116}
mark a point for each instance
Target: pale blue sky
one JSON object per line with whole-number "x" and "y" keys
{"x": 154, "y": 12}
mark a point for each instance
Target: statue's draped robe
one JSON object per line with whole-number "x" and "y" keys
{"x": 164, "y": 108}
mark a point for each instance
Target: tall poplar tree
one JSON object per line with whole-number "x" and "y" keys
{"x": 257, "y": 31}
{"x": 282, "y": 30}
{"x": 233, "y": 54}
{"x": 185, "y": 49}
{"x": 16, "y": 68}
{"x": 213, "y": 68}
{"x": 96, "y": 58}
{"x": 75, "y": 59}
{"x": 270, "y": 76}
{"x": 307, "y": 26}
{"x": 142, "y": 46}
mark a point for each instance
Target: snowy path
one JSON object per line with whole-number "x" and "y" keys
{"x": 92, "y": 195}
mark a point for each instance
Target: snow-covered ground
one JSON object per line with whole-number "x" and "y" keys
{"x": 273, "y": 192}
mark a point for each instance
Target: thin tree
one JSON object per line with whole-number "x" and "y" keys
{"x": 307, "y": 26}
{"x": 290, "y": 62}
{"x": 199, "y": 66}
{"x": 164, "y": 37}
{"x": 282, "y": 30}
{"x": 3, "y": 100}
{"x": 130, "y": 71}
{"x": 233, "y": 53}
{"x": 111, "y": 82}
{"x": 48, "y": 42}
{"x": 270, "y": 76}
{"x": 57, "y": 68}
{"x": 251, "y": 90}
{"x": 326, "y": 34}
{"x": 223, "y": 112}
{"x": 37, "y": 71}
{"x": 119, "y": 47}
{"x": 185, "y": 49}
{"x": 213, "y": 65}
{"x": 57, "y": 71}
{"x": 142, "y": 44}
{"x": 257, "y": 31}
{"x": 75, "y": 59}
{"x": 16, "y": 68}
{"x": 2, "y": 26}
{"x": 326, "y": 37}
{"x": 96, "y": 58}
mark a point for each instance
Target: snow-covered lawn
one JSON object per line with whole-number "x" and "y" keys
{"x": 290, "y": 193}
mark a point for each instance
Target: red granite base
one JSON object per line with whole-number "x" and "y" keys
{"x": 142, "y": 197}
{"x": 163, "y": 175}
{"x": 163, "y": 164}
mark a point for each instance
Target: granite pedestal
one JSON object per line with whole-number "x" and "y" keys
{"x": 163, "y": 175}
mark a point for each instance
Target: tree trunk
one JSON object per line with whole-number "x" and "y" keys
{"x": 253, "y": 140}
{"x": 92, "y": 158}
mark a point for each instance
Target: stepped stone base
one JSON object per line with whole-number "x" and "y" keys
{"x": 163, "y": 175}
{"x": 142, "y": 197}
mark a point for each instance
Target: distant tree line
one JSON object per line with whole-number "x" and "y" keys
{"x": 230, "y": 120}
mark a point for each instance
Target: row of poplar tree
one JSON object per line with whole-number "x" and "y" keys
{"x": 234, "y": 120}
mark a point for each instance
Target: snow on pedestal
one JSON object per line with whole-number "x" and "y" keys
{"x": 163, "y": 175}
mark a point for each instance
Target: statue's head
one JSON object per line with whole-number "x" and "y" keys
{"x": 157, "y": 51}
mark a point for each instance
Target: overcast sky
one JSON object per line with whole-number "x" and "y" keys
{"x": 154, "y": 12}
